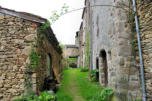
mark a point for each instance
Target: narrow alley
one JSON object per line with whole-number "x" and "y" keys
{"x": 76, "y": 50}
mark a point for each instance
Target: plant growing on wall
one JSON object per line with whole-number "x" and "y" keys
{"x": 34, "y": 59}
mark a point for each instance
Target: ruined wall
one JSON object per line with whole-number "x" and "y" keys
{"x": 111, "y": 34}
{"x": 17, "y": 38}
{"x": 46, "y": 48}
{"x": 15, "y": 43}
{"x": 145, "y": 19}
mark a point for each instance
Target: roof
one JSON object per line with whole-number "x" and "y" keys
{"x": 23, "y": 15}
{"x": 81, "y": 26}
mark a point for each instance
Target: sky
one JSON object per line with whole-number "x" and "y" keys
{"x": 65, "y": 28}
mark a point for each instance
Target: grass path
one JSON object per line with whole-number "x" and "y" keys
{"x": 69, "y": 90}
{"x": 75, "y": 86}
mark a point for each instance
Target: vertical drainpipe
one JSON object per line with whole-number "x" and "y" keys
{"x": 140, "y": 51}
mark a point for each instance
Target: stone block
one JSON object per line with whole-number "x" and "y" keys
{"x": 26, "y": 50}
{"x": 30, "y": 37}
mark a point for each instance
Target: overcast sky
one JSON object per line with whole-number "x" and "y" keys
{"x": 65, "y": 28}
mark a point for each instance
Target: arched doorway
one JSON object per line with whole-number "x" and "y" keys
{"x": 104, "y": 67}
{"x": 49, "y": 66}
{"x": 50, "y": 80}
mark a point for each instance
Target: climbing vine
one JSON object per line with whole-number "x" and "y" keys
{"x": 34, "y": 59}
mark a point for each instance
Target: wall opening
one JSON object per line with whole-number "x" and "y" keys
{"x": 50, "y": 79}
{"x": 104, "y": 67}
{"x": 97, "y": 67}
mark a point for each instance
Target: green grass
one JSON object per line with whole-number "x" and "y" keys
{"x": 77, "y": 87}
{"x": 72, "y": 59}
{"x": 63, "y": 94}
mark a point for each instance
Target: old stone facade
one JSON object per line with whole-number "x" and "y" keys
{"x": 19, "y": 36}
{"x": 112, "y": 45}
{"x": 71, "y": 53}
{"x": 145, "y": 19}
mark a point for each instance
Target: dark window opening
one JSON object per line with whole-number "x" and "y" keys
{"x": 97, "y": 67}
{"x": 105, "y": 67}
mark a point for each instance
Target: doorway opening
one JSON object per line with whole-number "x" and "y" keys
{"x": 50, "y": 79}
{"x": 104, "y": 67}
{"x": 97, "y": 67}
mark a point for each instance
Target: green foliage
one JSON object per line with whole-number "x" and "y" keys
{"x": 55, "y": 15}
{"x": 93, "y": 74}
{"x": 42, "y": 36}
{"x": 27, "y": 83}
{"x": 63, "y": 94}
{"x": 104, "y": 95}
{"x": 84, "y": 70}
{"x": 44, "y": 96}
{"x": 44, "y": 26}
{"x": 134, "y": 45}
{"x": 34, "y": 59}
{"x": 62, "y": 46}
{"x": 72, "y": 59}
{"x": 90, "y": 91}
{"x": 93, "y": 91}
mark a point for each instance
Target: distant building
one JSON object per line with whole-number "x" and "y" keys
{"x": 22, "y": 47}
{"x": 71, "y": 53}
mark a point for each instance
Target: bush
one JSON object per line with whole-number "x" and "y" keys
{"x": 103, "y": 95}
{"x": 44, "y": 96}
{"x": 84, "y": 70}
{"x": 93, "y": 74}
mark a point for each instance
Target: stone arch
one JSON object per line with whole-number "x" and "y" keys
{"x": 103, "y": 68}
{"x": 50, "y": 79}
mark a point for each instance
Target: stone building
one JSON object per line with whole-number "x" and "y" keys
{"x": 81, "y": 45}
{"x": 28, "y": 55}
{"x": 112, "y": 48}
{"x": 145, "y": 18}
{"x": 71, "y": 53}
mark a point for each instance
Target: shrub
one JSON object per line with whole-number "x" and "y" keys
{"x": 103, "y": 95}
{"x": 93, "y": 74}
{"x": 44, "y": 96}
{"x": 84, "y": 70}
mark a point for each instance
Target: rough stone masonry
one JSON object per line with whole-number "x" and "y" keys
{"x": 18, "y": 33}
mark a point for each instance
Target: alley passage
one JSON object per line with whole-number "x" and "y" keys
{"x": 75, "y": 86}
{"x": 69, "y": 91}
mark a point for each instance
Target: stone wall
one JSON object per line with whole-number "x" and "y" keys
{"x": 46, "y": 49}
{"x": 17, "y": 38}
{"x": 15, "y": 46}
{"x": 112, "y": 46}
{"x": 71, "y": 51}
{"x": 145, "y": 19}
